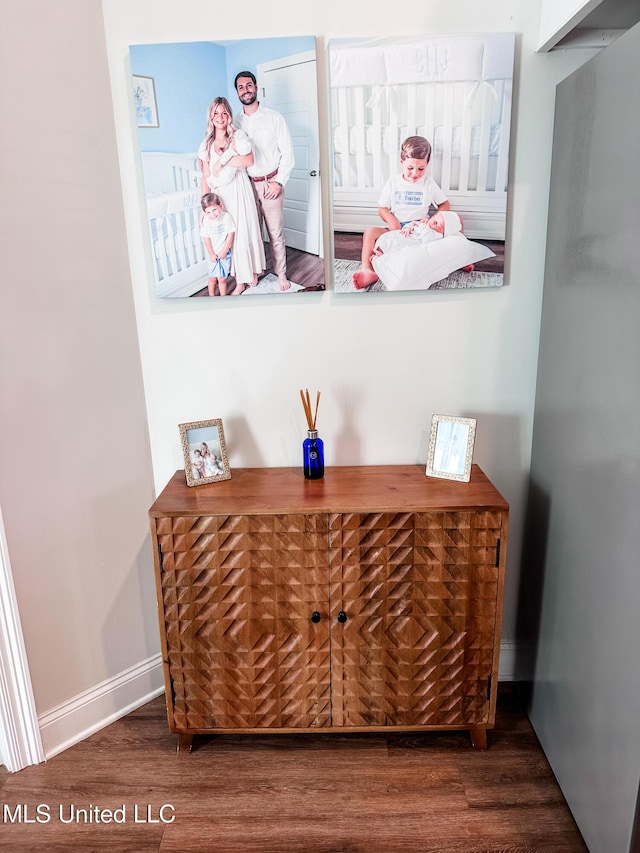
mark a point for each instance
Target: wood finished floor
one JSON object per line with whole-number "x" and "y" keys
{"x": 309, "y": 272}
{"x": 305, "y": 269}
{"x": 430, "y": 793}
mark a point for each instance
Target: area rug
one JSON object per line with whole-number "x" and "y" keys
{"x": 343, "y": 270}
{"x": 270, "y": 284}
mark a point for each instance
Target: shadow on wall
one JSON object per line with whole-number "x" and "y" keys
{"x": 532, "y": 574}
{"x": 130, "y": 631}
{"x": 348, "y": 445}
{"x": 498, "y": 446}
{"x": 242, "y": 447}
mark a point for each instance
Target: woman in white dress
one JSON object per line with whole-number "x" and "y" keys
{"x": 225, "y": 154}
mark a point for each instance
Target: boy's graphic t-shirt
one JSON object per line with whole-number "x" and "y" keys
{"x": 408, "y": 201}
{"x": 217, "y": 230}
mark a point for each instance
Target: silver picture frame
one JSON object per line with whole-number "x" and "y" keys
{"x": 451, "y": 443}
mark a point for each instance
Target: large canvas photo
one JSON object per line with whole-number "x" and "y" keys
{"x": 229, "y": 147}
{"x": 419, "y": 145}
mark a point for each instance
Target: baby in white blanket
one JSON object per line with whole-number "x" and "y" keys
{"x": 424, "y": 252}
{"x": 445, "y": 223}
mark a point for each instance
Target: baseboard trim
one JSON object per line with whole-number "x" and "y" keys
{"x": 517, "y": 661}
{"x": 508, "y": 656}
{"x": 88, "y": 712}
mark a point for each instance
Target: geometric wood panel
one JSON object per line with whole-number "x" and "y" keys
{"x": 238, "y": 593}
{"x": 419, "y": 590}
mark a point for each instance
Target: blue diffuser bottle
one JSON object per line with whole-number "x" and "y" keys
{"x": 312, "y": 446}
{"x": 313, "y": 456}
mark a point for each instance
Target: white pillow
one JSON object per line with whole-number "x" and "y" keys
{"x": 420, "y": 265}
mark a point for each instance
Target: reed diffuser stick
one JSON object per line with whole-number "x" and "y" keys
{"x": 306, "y": 405}
{"x": 307, "y": 410}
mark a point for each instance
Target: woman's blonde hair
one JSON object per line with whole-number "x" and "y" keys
{"x": 211, "y": 131}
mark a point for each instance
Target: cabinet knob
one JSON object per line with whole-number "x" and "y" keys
{"x": 315, "y": 616}
{"x": 342, "y": 616}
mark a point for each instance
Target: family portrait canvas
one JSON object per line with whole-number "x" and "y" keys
{"x": 419, "y": 146}
{"x": 229, "y": 150}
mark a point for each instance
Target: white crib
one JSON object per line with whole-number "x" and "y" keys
{"x": 172, "y": 186}
{"x": 454, "y": 90}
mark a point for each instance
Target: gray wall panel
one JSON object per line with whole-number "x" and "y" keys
{"x": 584, "y": 525}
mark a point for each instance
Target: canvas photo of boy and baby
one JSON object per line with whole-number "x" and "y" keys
{"x": 420, "y": 133}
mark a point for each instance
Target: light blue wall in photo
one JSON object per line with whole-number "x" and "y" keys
{"x": 188, "y": 75}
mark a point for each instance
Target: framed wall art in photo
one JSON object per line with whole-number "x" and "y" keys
{"x": 451, "y": 448}
{"x": 205, "y": 452}
{"x": 144, "y": 98}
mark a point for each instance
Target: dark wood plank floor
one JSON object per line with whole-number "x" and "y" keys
{"x": 305, "y": 269}
{"x": 430, "y": 793}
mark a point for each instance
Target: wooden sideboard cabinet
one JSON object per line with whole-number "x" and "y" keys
{"x": 368, "y": 600}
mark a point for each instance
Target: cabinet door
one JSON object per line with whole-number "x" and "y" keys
{"x": 420, "y": 594}
{"x": 238, "y": 594}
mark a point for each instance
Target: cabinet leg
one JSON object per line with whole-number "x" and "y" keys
{"x": 478, "y": 738}
{"x": 185, "y": 743}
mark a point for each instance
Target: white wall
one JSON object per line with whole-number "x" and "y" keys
{"x": 384, "y": 363}
{"x": 75, "y": 463}
{"x": 70, "y": 374}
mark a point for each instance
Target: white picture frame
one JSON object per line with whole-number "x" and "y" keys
{"x": 451, "y": 443}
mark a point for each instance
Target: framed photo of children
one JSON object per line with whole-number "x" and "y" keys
{"x": 205, "y": 452}
{"x": 238, "y": 149}
{"x": 420, "y": 130}
{"x": 451, "y": 448}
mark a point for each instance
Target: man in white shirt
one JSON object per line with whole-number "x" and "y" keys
{"x": 272, "y": 164}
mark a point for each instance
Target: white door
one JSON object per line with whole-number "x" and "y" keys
{"x": 20, "y": 742}
{"x": 289, "y": 85}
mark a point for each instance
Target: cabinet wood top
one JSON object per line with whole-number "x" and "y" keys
{"x": 365, "y": 488}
